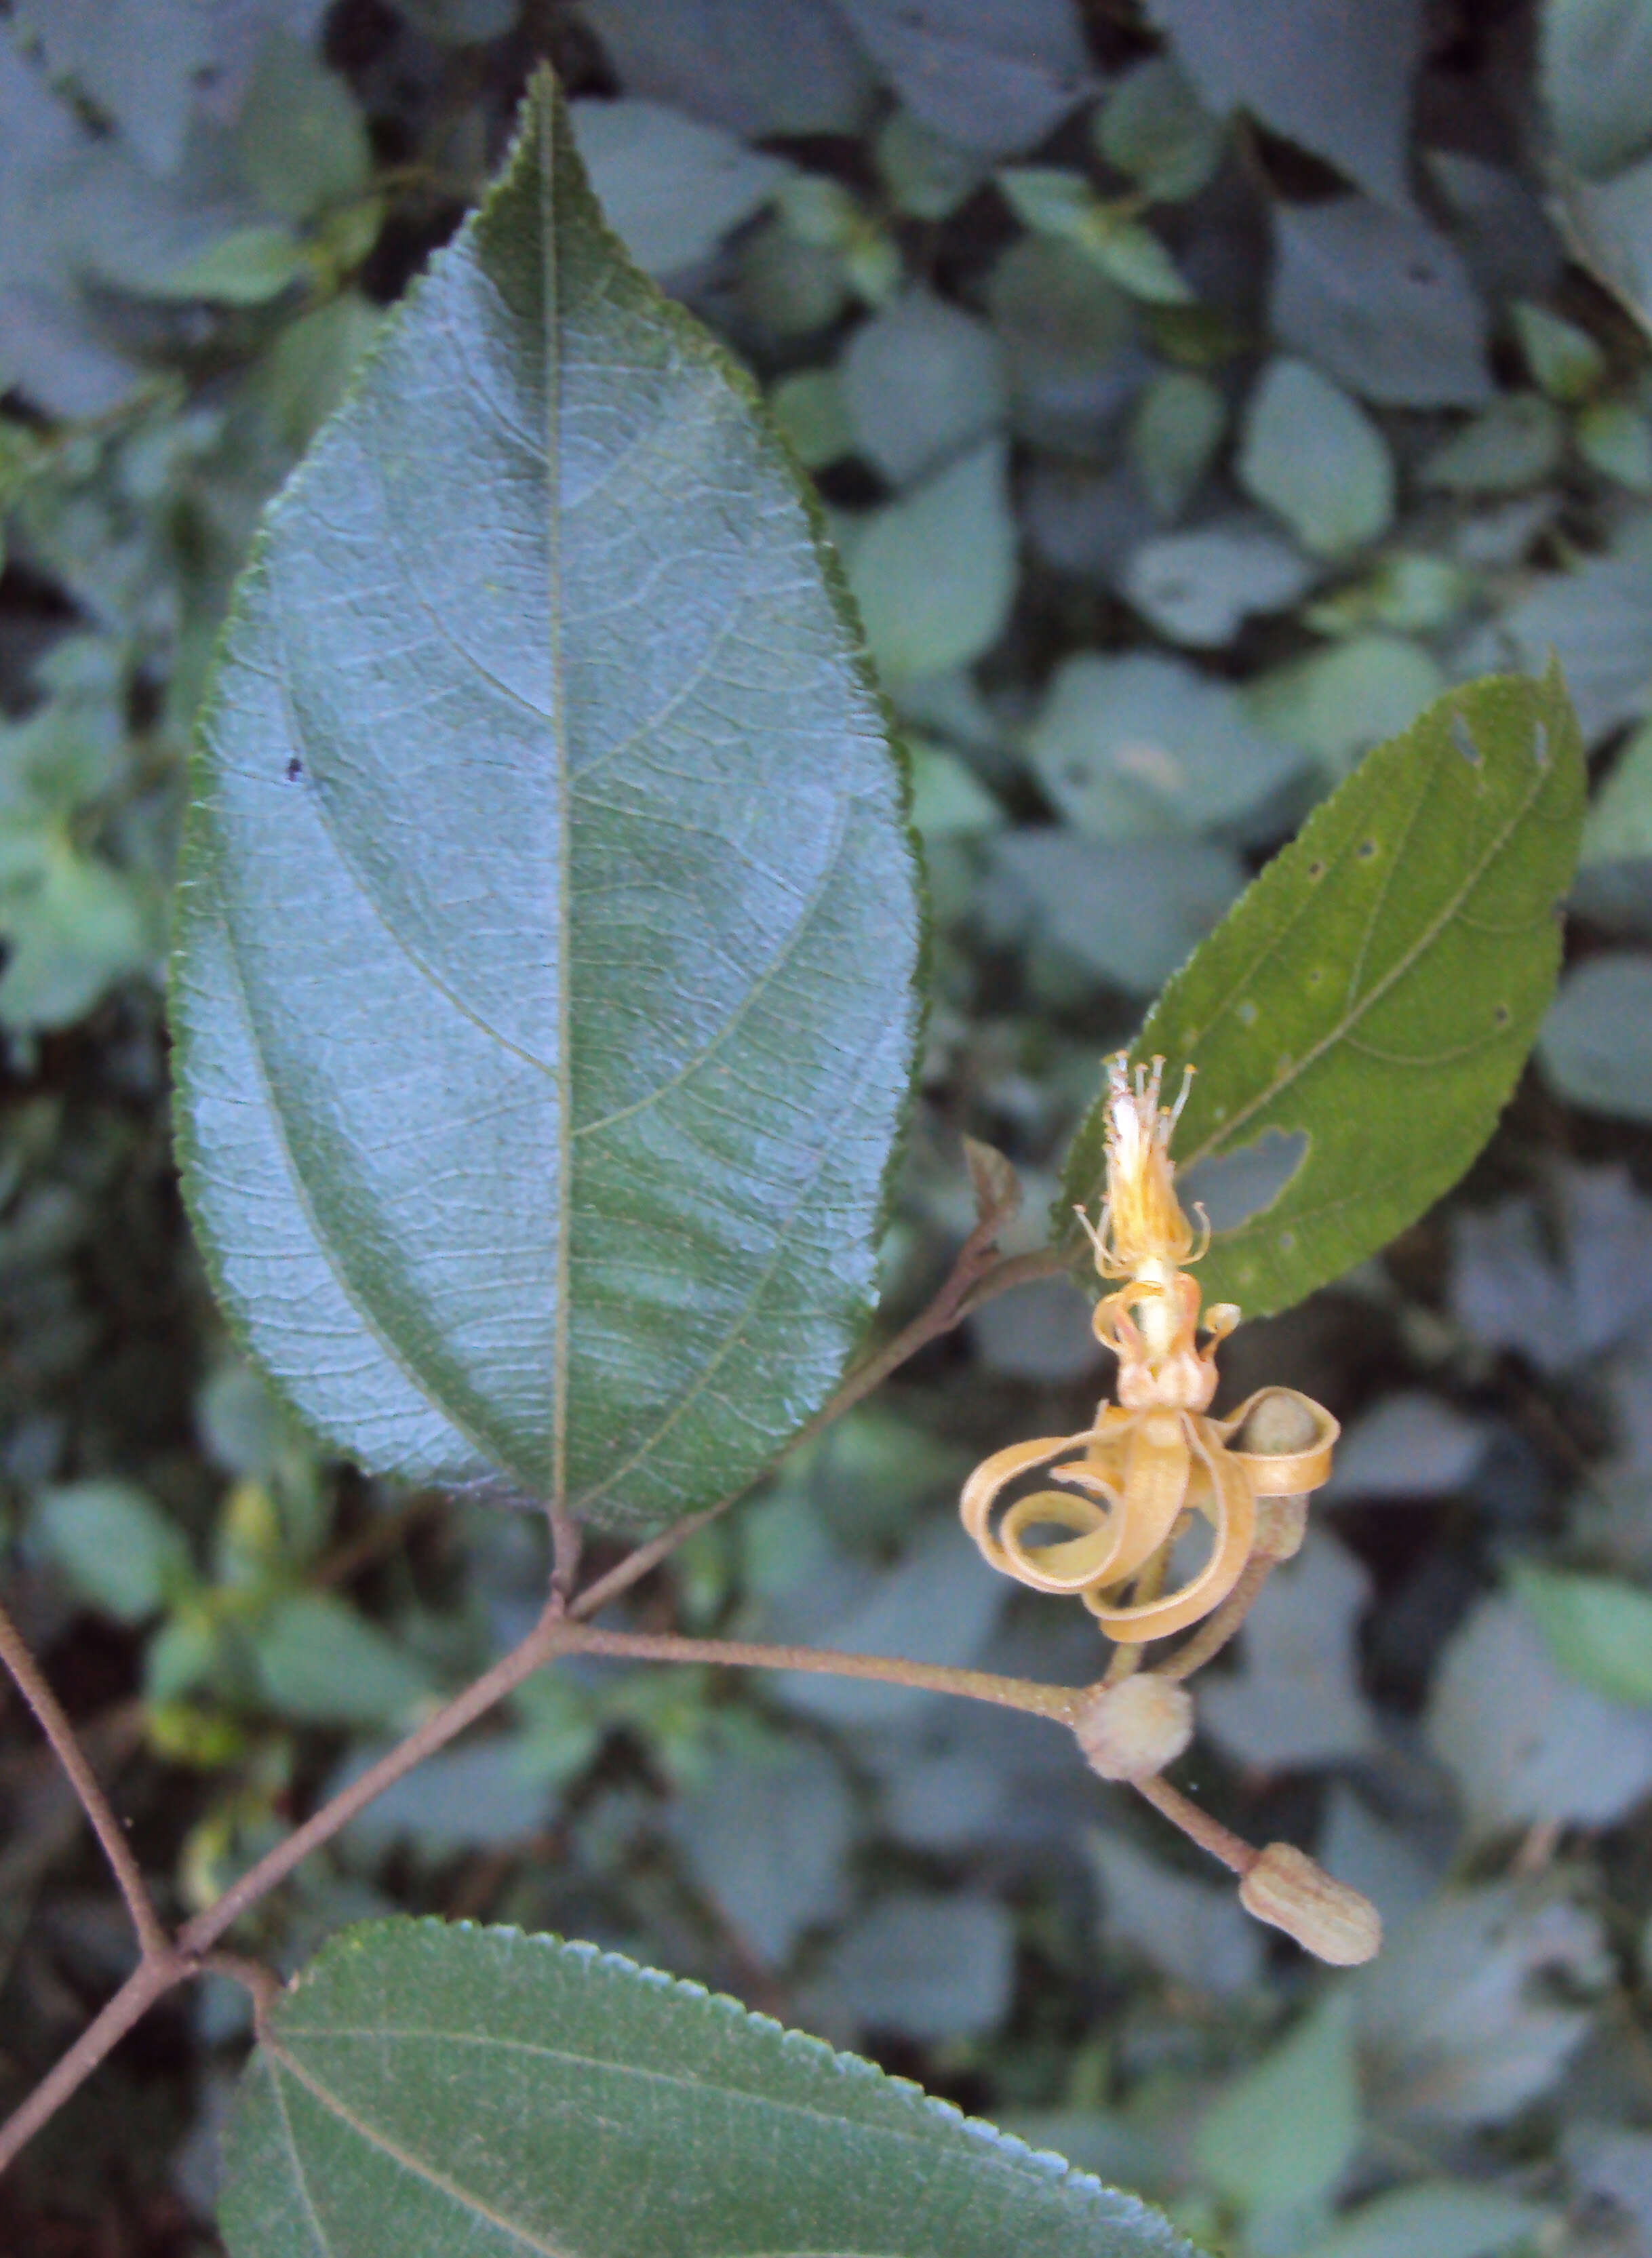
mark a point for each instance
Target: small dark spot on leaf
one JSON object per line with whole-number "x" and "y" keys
{"x": 1366, "y": 849}
{"x": 1316, "y": 872}
{"x": 1462, "y": 738}
{"x": 1316, "y": 975}
{"x": 1501, "y": 1014}
{"x": 295, "y": 768}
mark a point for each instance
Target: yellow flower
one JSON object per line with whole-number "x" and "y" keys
{"x": 1142, "y": 1218}
{"x": 1155, "y": 1457}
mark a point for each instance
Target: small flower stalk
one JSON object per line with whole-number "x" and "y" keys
{"x": 1155, "y": 1462}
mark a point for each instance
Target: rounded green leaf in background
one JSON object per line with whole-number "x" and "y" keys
{"x": 427, "y": 2090}
{"x": 1134, "y": 747}
{"x": 1594, "y": 62}
{"x": 544, "y": 999}
{"x": 1314, "y": 457}
{"x": 1597, "y": 1041}
{"x": 934, "y": 571}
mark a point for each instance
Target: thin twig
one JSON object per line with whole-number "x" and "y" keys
{"x": 263, "y": 1983}
{"x": 151, "y": 1937}
{"x": 973, "y": 1279}
{"x": 1210, "y": 1835}
{"x": 566, "y": 1542}
{"x": 1223, "y": 1623}
{"x": 561, "y": 1628}
{"x": 1014, "y": 1270}
{"x": 557, "y": 1632}
{"x": 1127, "y": 1657}
{"x": 550, "y": 1636}
{"x": 1061, "y": 1704}
{"x": 148, "y": 1982}
{"x": 46, "y": 1815}
{"x": 966, "y": 1287}
{"x": 636, "y": 1565}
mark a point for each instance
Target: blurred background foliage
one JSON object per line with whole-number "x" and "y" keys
{"x": 1193, "y": 391}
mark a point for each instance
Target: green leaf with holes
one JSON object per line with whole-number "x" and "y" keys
{"x": 544, "y": 998}
{"x": 1369, "y": 1002}
{"x": 427, "y": 2090}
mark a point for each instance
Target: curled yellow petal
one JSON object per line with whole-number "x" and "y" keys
{"x": 1232, "y": 1505}
{"x": 1157, "y": 1462}
{"x": 1156, "y": 1452}
{"x": 1288, "y": 1472}
{"x": 1072, "y": 1564}
{"x": 982, "y": 1490}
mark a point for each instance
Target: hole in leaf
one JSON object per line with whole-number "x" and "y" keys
{"x": 1316, "y": 870}
{"x": 1501, "y": 1014}
{"x": 1539, "y": 744}
{"x": 1245, "y": 1012}
{"x": 1366, "y": 849}
{"x": 1462, "y": 738}
{"x": 1232, "y": 1187}
{"x": 295, "y": 768}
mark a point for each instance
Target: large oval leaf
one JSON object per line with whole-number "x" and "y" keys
{"x": 544, "y": 990}
{"x": 427, "y": 2090}
{"x": 1365, "y": 1008}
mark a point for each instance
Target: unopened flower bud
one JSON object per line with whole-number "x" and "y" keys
{"x": 1133, "y": 1729}
{"x": 1287, "y": 1890}
{"x": 1279, "y": 1423}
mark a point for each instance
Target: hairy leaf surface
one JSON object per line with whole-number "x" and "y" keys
{"x": 1377, "y": 988}
{"x": 544, "y": 993}
{"x": 425, "y": 2089}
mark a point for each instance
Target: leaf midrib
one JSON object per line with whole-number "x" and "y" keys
{"x": 403, "y": 2158}
{"x": 1222, "y": 1137}
{"x": 548, "y": 114}
{"x": 416, "y": 2169}
{"x": 701, "y": 2088}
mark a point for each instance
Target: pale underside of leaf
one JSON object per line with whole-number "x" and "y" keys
{"x": 545, "y": 994}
